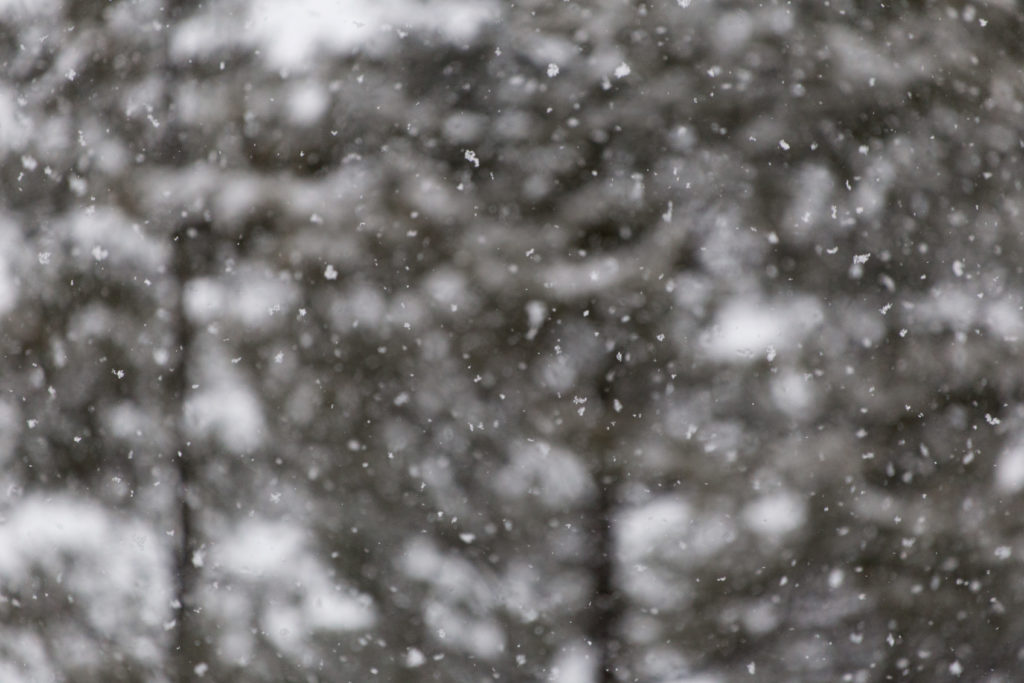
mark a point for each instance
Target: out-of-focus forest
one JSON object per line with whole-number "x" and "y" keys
{"x": 664, "y": 341}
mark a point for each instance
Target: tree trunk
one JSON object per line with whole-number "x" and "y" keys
{"x": 188, "y": 646}
{"x": 606, "y": 608}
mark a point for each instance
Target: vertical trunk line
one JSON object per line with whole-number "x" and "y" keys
{"x": 187, "y": 640}
{"x": 606, "y": 606}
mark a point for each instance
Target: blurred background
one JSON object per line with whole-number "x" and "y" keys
{"x": 664, "y": 341}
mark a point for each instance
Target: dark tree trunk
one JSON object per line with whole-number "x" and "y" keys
{"x": 188, "y": 649}
{"x": 606, "y": 607}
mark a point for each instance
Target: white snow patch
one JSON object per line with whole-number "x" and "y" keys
{"x": 228, "y": 411}
{"x": 463, "y": 127}
{"x": 114, "y": 567}
{"x": 250, "y": 298}
{"x": 775, "y": 515}
{"x": 448, "y": 287}
{"x": 793, "y": 394}
{"x": 292, "y": 31}
{"x": 536, "y": 314}
{"x": 643, "y": 528}
{"x": 1009, "y": 469}
{"x": 307, "y": 102}
{"x": 26, "y": 659}
{"x": 360, "y": 304}
{"x": 657, "y": 538}
{"x": 9, "y": 247}
{"x": 19, "y": 9}
{"x": 733, "y": 30}
{"x": 697, "y": 678}
{"x": 554, "y": 476}
{"x": 746, "y": 328}
{"x": 1005, "y": 320}
{"x": 15, "y": 126}
{"x": 298, "y": 595}
{"x": 595, "y": 274}
{"x": 453, "y": 583}
{"x": 204, "y": 299}
{"x": 953, "y": 307}
{"x": 414, "y": 658}
{"x": 574, "y": 664}
{"x": 10, "y": 431}
{"x": 107, "y": 232}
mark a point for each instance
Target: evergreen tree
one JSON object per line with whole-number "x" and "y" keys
{"x": 610, "y": 341}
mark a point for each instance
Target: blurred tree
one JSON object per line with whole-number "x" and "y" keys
{"x": 609, "y": 341}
